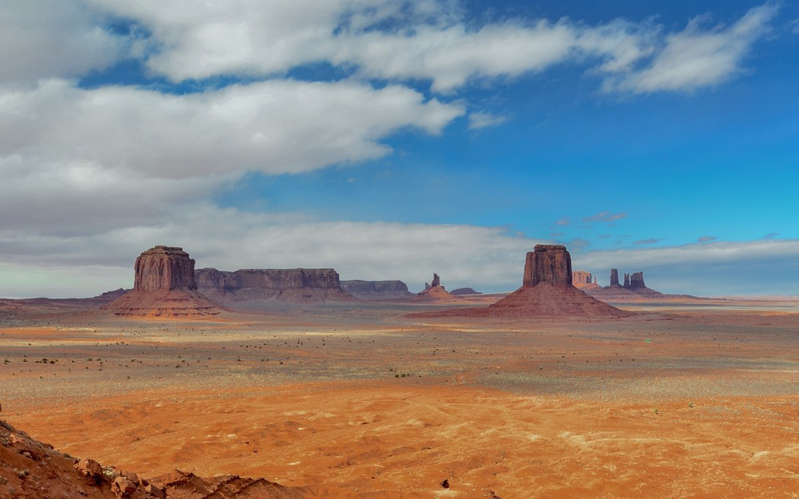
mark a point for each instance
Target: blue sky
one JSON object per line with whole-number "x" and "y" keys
{"x": 391, "y": 142}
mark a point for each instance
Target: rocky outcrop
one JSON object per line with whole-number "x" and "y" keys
{"x": 547, "y": 290}
{"x": 164, "y": 286}
{"x": 256, "y": 285}
{"x": 376, "y": 290}
{"x": 583, "y": 280}
{"x": 29, "y": 468}
{"x": 614, "y": 278}
{"x": 164, "y": 267}
{"x": 434, "y": 290}
{"x": 633, "y": 288}
{"x": 637, "y": 281}
{"x": 464, "y": 291}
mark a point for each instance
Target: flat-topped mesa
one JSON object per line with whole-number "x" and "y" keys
{"x": 548, "y": 263}
{"x": 164, "y": 267}
{"x": 376, "y": 290}
{"x": 255, "y": 285}
{"x": 637, "y": 281}
{"x": 614, "y": 278}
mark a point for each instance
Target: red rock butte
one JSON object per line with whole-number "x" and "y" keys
{"x": 547, "y": 290}
{"x": 164, "y": 267}
{"x": 164, "y": 286}
{"x": 435, "y": 291}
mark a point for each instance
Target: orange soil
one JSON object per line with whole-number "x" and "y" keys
{"x": 394, "y": 440}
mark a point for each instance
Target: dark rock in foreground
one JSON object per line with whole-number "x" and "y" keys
{"x": 29, "y": 468}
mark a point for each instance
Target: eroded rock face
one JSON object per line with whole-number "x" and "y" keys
{"x": 434, "y": 290}
{"x": 549, "y": 263}
{"x": 376, "y": 290}
{"x": 614, "y": 278}
{"x": 637, "y": 281}
{"x": 292, "y": 285}
{"x": 626, "y": 284}
{"x": 164, "y": 267}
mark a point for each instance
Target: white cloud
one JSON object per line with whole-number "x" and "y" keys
{"x": 431, "y": 41}
{"x": 53, "y": 38}
{"x": 480, "y": 120}
{"x": 699, "y": 56}
{"x": 260, "y": 127}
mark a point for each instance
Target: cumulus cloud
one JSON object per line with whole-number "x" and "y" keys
{"x": 258, "y": 127}
{"x": 53, "y": 38}
{"x": 699, "y": 56}
{"x": 430, "y": 41}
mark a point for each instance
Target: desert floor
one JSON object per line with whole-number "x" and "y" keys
{"x": 683, "y": 400}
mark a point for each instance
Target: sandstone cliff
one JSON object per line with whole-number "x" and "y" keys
{"x": 376, "y": 290}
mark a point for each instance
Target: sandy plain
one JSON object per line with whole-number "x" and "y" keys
{"x": 685, "y": 399}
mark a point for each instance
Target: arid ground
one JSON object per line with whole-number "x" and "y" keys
{"x": 685, "y": 399}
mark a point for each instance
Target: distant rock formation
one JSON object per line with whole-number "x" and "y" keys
{"x": 434, "y": 290}
{"x": 163, "y": 286}
{"x": 257, "y": 285}
{"x": 376, "y": 290}
{"x": 633, "y": 288}
{"x": 614, "y": 278}
{"x": 547, "y": 290}
{"x": 637, "y": 281}
{"x": 464, "y": 291}
{"x": 583, "y": 280}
